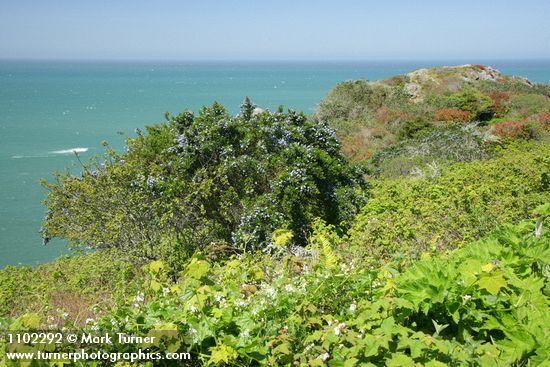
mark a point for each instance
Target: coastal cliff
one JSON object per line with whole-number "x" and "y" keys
{"x": 252, "y": 239}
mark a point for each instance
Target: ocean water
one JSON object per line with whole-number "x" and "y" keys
{"x": 49, "y": 109}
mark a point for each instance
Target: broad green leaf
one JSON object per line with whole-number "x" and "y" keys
{"x": 156, "y": 266}
{"x": 492, "y": 282}
{"x": 435, "y": 363}
{"x": 400, "y": 360}
{"x": 30, "y": 321}
{"x": 283, "y": 348}
{"x": 222, "y": 354}
{"x": 197, "y": 269}
{"x": 487, "y": 268}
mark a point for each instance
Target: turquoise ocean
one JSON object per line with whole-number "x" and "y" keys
{"x": 48, "y": 109}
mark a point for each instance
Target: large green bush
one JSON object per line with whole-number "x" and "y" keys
{"x": 205, "y": 179}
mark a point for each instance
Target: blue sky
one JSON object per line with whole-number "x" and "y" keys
{"x": 274, "y": 30}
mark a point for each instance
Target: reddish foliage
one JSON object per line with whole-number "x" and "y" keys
{"x": 543, "y": 118}
{"x": 480, "y": 67}
{"x": 500, "y": 100}
{"x": 385, "y": 115}
{"x": 511, "y": 130}
{"x": 451, "y": 115}
{"x": 397, "y": 80}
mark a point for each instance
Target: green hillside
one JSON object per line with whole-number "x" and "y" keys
{"x": 370, "y": 116}
{"x": 404, "y": 223}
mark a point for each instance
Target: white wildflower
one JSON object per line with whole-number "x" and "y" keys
{"x": 244, "y": 334}
{"x": 140, "y": 297}
{"x": 338, "y": 328}
{"x": 324, "y": 356}
{"x": 240, "y": 303}
{"x": 270, "y": 292}
{"x": 352, "y": 307}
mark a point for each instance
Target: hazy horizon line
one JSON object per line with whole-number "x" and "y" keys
{"x": 374, "y": 59}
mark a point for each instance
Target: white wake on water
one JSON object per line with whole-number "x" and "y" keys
{"x": 71, "y": 150}
{"x": 49, "y": 154}
{"x": 28, "y": 156}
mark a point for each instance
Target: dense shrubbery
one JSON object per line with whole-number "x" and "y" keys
{"x": 451, "y": 115}
{"x": 70, "y": 289}
{"x": 500, "y": 102}
{"x": 453, "y": 205}
{"x": 370, "y": 117}
{"x": 543, "y": 118}
{"x": 472, "y": 101}
{"x": 484, "y": 305}
{"x": 439, "y": 145}
{"x": 413, "y": 129}
{"x": 511, "y": 130}
{"x": 209, "y": 179}
{"x": 524, "y": 105}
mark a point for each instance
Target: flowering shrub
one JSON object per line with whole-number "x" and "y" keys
{"x": 207, "y": 179}
{"x": 419, "y": 277}
{"x": 451, "y": 115}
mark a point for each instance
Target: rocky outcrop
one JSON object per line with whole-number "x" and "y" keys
{"x": 419, "y": 83}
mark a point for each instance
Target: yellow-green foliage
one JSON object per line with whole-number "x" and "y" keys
{"x": 412, "y": 215}
{"x": 483, "y": 305}
{"x": 282, "y": 237}
{"x": 81, "y": 286}
{"x": 524, "y": 105}
{"x": 323, "y": 241}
